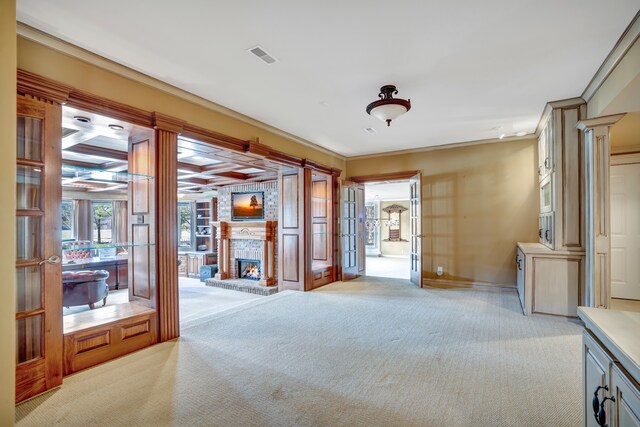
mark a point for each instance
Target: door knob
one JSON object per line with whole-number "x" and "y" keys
{"x": 53, "y": 259}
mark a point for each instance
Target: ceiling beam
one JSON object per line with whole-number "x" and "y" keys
{"x": 90, "y": 150}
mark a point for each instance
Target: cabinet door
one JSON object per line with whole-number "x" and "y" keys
{"x": 596, "y": 366}
{"x": 627, "y": 405}
{"x": 556, "y": 285}
{"x": 183, "y": 267}
{"x": 194, "y": 265}
{"x": 542, "y": 144}
{"x": 520, "y": 264}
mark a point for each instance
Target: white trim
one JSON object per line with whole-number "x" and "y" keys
{"x": 442, "y": 147}
{"x": 624, "y": 159}
{"x": 447, "y": 283}
{"x": 616, "y": 55}
{"x": 84, "y": 55}
{"x": 583, "y": 125}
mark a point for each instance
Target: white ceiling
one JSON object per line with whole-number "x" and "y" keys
{"x": 385, "y": 191}
{"x": 468, "y": 66}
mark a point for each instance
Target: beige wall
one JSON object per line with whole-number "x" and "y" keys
{"x": 7, "y": 209}
{"x": 82, "y": 75}
{"x": 395, "y": 248}
{"x": 619, "y": 93}
{"x": 477, "y": 202}
{"x": 625, "y": 135}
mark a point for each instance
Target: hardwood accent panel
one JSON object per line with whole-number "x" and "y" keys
{"x": 166, "y": 220}
{"x": 140, "y": 261}
{"x": 31, "y": 379}
{"x": 391, "y": 176}
{"x": 90, "y": 342}
{"x": 290, "y": 202}
{"x": 129, "y": 331}
{"x": 290, "y": 269}
{"x": 125, "y": 335}
{"x": 140, "y": 166}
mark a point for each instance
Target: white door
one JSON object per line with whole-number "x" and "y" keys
{"x": 625, "y": 231}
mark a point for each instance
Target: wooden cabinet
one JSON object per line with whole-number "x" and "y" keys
{"x": 549, "y": 282}
{"x": 603, "y": 377}
{"x": 560, "y": 160}
{"x": 190, "y": 263}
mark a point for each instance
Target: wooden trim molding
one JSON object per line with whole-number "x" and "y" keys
{"x": 391, "y": 176}
{"x": 166, "y": 224}
{"x": 42, "y": 87}
{"x": 554, "y": 105}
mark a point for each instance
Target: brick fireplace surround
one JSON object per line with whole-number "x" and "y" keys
{"x": 246, "y": 240}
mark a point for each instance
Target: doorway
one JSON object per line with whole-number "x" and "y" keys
{"x": 387, "y": 229}
{"x": 625, "y": 231}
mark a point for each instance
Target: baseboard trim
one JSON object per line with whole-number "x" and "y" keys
{"x": 449, "y": 283}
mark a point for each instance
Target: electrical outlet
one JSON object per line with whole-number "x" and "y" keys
{"x": 440, "y": 271}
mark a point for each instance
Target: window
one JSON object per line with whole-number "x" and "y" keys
{"x": 68, "y": 220}
{"x": 185, "y": 211}
{"x": 102, "y": 218}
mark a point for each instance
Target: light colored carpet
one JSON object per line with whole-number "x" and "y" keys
{"x": 367, "y": 352}
{"x": 392, "y": 267}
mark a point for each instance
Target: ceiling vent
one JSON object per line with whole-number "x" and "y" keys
{"x": 263, "y": 55}
{"x": 68, "y": 132}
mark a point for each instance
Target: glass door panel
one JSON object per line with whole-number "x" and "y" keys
{"x": 29, "y": 138}
{"x": 29, "y": 295}
{"x": 28, "y": 187}
{"x": 28, "y": 238}
{"x": 29, "y": 339}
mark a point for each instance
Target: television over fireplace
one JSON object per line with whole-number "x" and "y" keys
{"x": 247, "y": 206}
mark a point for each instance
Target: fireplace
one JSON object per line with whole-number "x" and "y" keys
{"x": 248, "y": 269}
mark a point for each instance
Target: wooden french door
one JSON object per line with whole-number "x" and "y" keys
{"x": 415, "y": 219}
{"x": 38, "y": 254}
{"x": 352, "y": 233}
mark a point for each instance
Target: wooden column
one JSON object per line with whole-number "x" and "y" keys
{"x": 598, "y": 219}
{"x": 167, "y": 130}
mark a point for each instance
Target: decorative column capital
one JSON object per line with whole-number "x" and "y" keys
{"x": 167, "y": 123}
{"x": 596, "y": 122}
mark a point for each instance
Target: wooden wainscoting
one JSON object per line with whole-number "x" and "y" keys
{"x": 90, "y": 338}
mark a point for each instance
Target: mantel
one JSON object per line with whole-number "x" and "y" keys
{"x": 247, "y": 230}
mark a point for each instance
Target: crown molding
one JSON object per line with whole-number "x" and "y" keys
{"x": 599, "y": 121}
{"x": 550, "y": 106}
{"x": 40, "y": 37}
{"x": 442, "y": 147}
{"x": 620, "y": 49}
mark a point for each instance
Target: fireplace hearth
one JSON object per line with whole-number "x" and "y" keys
{"x": 248, "y": 269}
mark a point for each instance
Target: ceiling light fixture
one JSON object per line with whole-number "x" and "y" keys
{"x": 388, "y": 108}
{"x": 82, "y": 119}
{"x": 116, "y": 127}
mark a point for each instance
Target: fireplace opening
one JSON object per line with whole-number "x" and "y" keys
{"x": 248, "y": 269}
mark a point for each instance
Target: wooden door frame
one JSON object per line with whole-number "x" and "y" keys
{"x": 167, "y": 130}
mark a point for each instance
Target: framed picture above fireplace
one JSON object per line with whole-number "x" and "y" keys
{"x": 247, "y": 206}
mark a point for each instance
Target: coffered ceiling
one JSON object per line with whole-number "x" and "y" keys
{"x": 472, "y": 69}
